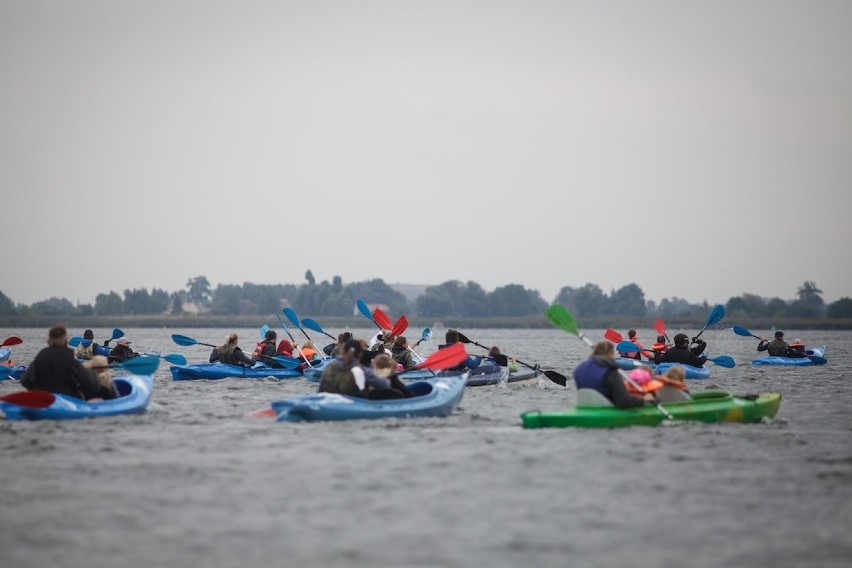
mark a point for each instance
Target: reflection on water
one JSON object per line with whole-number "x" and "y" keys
{"x": 194, "y": 481}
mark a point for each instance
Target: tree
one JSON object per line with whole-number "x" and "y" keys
{"x": 198, "y": 290}
{"x": 842, "y": 308}
{"x": 109, "y": 304}
{"x": 53, "y": 307}
{"x": 628, "y": 300}
{"x": 309, "y": 276}
{"x": 7, "y": 307}
{"x": 588, "y": 300}
{"x": 809, "y": 302}
{"x": 515, "y": 300}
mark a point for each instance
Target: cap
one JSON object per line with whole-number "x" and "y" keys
{"x": 640, "y": 376}
{"x": 681, "y": 339}
{"x": 270, "y": 334}
{"x": 88, "y": 334}
{"x": 124, "y": 340}
{"x": 779, "y": 334}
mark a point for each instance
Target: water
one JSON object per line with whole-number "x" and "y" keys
{"x": 196, "y": 482}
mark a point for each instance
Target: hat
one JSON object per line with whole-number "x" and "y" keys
{"x": 797, "y": 343}
{"x": 779, "y": 334}
{"x": 124, "y": 340}
{"x": 88, "y": 334}
{"x": 640, "y": 376}
{"x": 270, "y": 334}
{"x": 681, "y": 339}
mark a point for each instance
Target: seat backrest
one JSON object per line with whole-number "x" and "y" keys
{"x": 591, "y": 397}
{"x": 672, "y": 394}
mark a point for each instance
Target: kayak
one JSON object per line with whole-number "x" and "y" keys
{"x": 225, "y": 371}
{"x": 792, "y": 361}
{"x": 314, "y": 374}
{"x": 134, "y": 394}
{"x": 520, "y": 376}
{"x": 16, "y": 374}
{"x": 433, "y": 397}
{"x": 690, "y": 372}
{"x": 705, "y": 406}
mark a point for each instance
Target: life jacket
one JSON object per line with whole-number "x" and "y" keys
{"x": 661, "y": 347}
{"x": 226, "y": 353}
{"x": 308, "y": 353}
{"x": 85, "y": 351}
{"x": 590, "y": 375}
{"x": 653, "y": 385}
{"x": 258, "y": 351}
{"x": 778, "y": 348}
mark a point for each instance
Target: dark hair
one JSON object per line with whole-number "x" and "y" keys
{"x": 661, "y": 339}
{"x": 88, "y": 334}
{"x": 344, "y": 337}
{"x": 779, "y": 334}
{"x": 681, "y": 339}
{"x": 452, "y": 336}
{"x": 58, "y": 331}
{"x": 631, "y": 333}
{"x": 270, "y": 334}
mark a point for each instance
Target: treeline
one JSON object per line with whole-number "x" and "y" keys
{"x": 449, "y": 299}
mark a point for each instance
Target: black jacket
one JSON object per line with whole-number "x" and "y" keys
{"x": 57, "y": 370}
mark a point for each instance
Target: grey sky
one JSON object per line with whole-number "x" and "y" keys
{"x": 700, "y": 150}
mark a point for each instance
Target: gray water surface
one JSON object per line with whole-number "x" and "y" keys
{"x": 194, "y": 481}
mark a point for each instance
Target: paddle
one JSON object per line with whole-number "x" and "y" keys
{"x": 382, "y": 319}
{"x": 560, "y": 317}
{"x": 13, "y": 340}
{"x": 116, "y": 334}
{"x": 314, "y": 326}
{"x": 715, "y": 317}
{"x": 660, "y": 326}
{"x": 722, "y": 360}
{"x": 294, "y": 319}
{"x": 144, "y": 365}
{"x": 444, "y": 358}
{"x": 365, "y": 311}
{"x": 30, "y": 399}
{"x": 400, "y": 326}
{"x": 186, "y": 341}
{"x": 293, "y": 340}
{"x": 263, "y": 329}
{"x": 815, "y": 359}
{"x": 425, "y": 336}
{"x": 503, "y": 361}
{"x": 174, "y": 358}
{"x": 616, "y": 337}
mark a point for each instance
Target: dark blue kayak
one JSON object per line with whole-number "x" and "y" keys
{"x": 224, "y": 371}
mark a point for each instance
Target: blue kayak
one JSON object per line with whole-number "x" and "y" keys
{"x": 314, "y": 373}
{"x": 434, "y": 397}
{"x": 791, "y": 361}
{"x": 474, "y": 380}
{"x": 225, "y": 371}
{"x": 628, "y": 364}
{"x": 690, "y": 371}
{"x": 134, "y": 394}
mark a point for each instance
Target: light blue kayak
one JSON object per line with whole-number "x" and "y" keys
{"x": 134, "y": 394}
{"x": 792, "y": 361}
{"x": 433, "y": 397}
{"x": 224, "y": 371}
{"x": 314, "y": 373}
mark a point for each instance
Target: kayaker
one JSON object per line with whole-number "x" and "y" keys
{"x": 308, "y": 351}
{"x": 502, "y": 360}
{"x": 660, "y": 347}
{"x": 682, "y": 353}
{"x": 88, "y": 348}
{"x": 402, "y": 354}
{"x": 342, "y": 338}
{"x": 230, "y": 353}
{"x": 56, "y": 369}
{"x": 265, "y": 350}
{"x": 385, "y": 367}
{"x": 100, "y": 369}
{"x": 343, "y": 375}
{"x": 122, "y": 351}
{"x": 677, "y": 374}
{"x": 780, "y": 348}
{"x": 631, "y": 336}
{"x": 452, "y": 337}
{"x": 284, "y": 348}
{"x": 600, "y": 372}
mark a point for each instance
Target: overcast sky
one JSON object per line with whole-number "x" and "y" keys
{"x": 698, "y": 149}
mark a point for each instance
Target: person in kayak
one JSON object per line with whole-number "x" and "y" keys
{"x": 402, "y": 354}
{"x": 384, "y": 366}
{"x": 342, "y": 338}
{"x": 266, "y": 350}
{"x": 284, "y": 348}
{"x": 88, "y": 348}
{"x": 682, "y": 353}
{"x": 452, "y": 337}
{"x": 346, "y": 375}
{"x": 230, "y": 353}
{"x": 122, "y": 351}
{"x": 56, "y": 369}
{"x": 780, "y": 348}
{"x": 600, "y": 372}
{"x": 99, "y": 366}
{"x": 631, "y": 336}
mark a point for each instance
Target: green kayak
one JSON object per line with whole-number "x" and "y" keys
{"x": 706, "y": 406}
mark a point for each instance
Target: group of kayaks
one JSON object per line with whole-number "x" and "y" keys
{"x": 436, "y": 393}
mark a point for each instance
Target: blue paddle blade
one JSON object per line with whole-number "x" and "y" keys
{"x": 287, "y": 362}
{"x": 183, "y": 340}
{"x": 313, "y": 325}
{"x": 291, "y": 315}
{"x": 817, "y": 360}
{"x": 75, "y": 341}
{"x": 739, "y": 330}
{"x": 140, "y": 365}
{"x": 426, "y": 335}
{"x": 716, "y": 315}
{"x": 175, "y": 358}
{"x": 724, "y": 361}
{"x": 263, "y": 329}
{"x": 117, "y": 333}
{"x": 364, "y": 309}
{"x": 627, "y": 347}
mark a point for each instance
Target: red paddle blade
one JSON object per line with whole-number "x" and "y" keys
{"x": 400, "y": 326}
{"x": 613, "y": 336}
{"x": 444, "y": 358}
{"x": 263, "y": 413}
{"x": 11, "y": 341}
{"x": 382, "y": 319}
{"x": 31, "y": 399}
{"x": 660, "y": 326}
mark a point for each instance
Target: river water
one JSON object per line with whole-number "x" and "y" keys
{"x": 194, "y": 481}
